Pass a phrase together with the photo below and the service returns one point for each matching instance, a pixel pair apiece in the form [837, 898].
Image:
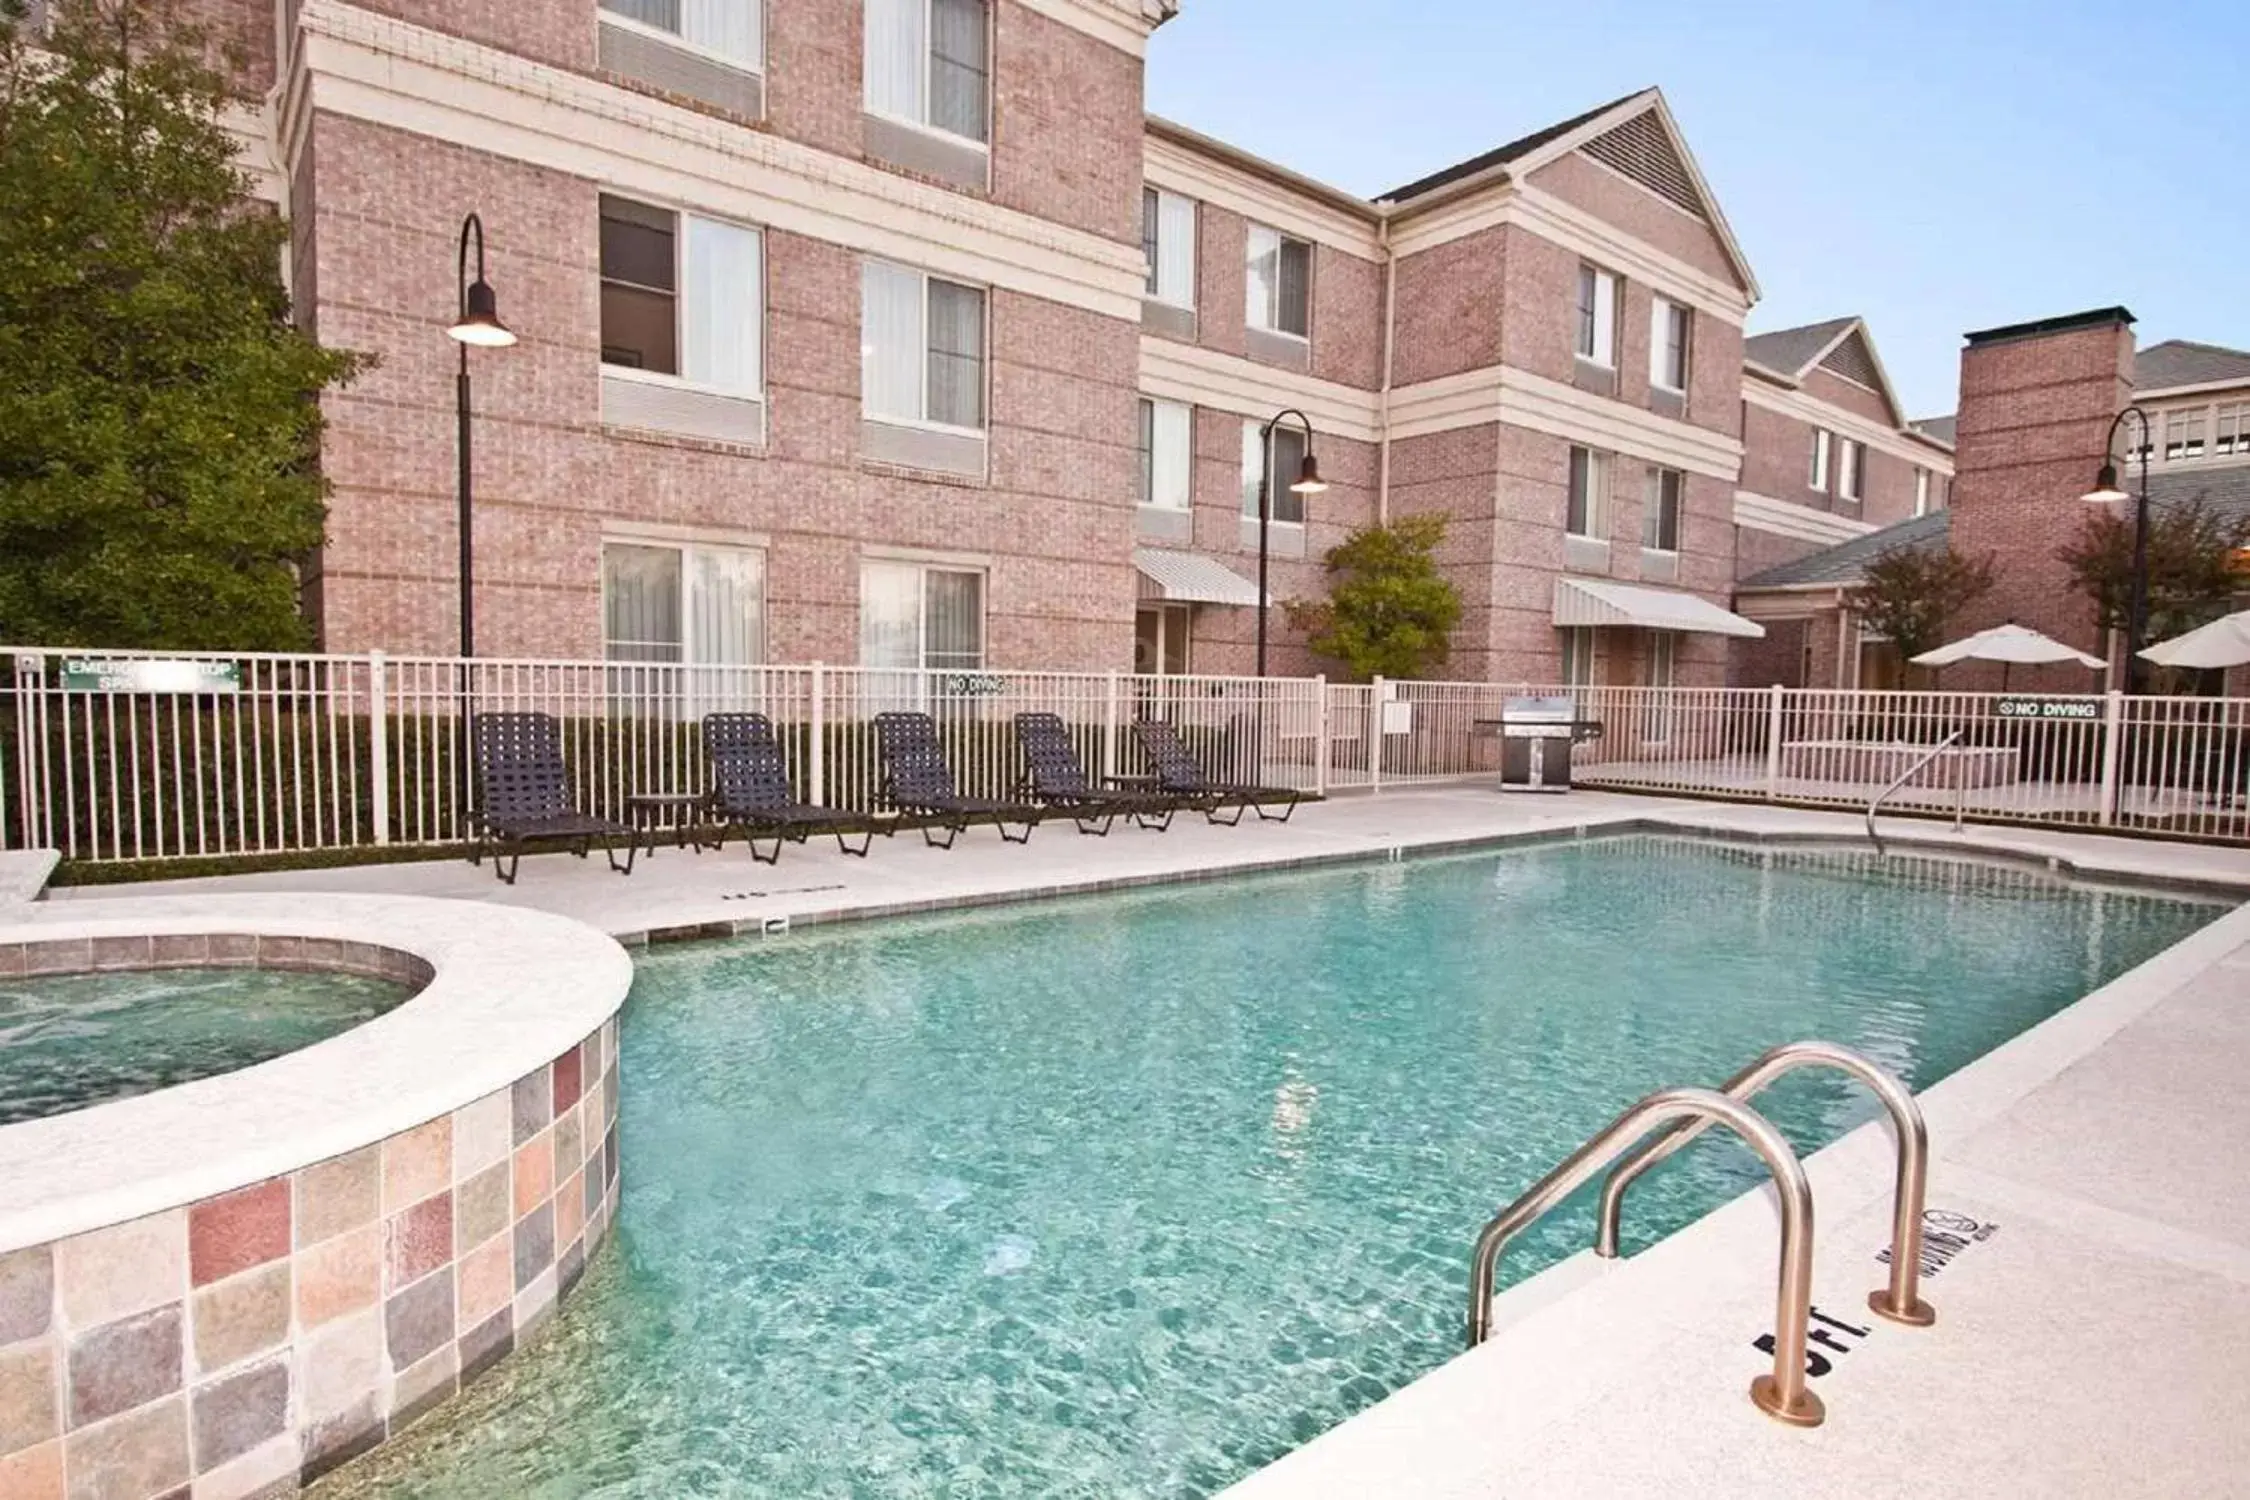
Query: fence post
[379, 743]
[816, 778]
[1375, 735]
[1109, 729]
[2113, 744]
[1320, 738]
[1773, 743]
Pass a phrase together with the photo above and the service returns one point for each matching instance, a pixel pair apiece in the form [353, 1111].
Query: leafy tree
[1388, 609]
[158, 412]
[2191, 575]
[1910, 593]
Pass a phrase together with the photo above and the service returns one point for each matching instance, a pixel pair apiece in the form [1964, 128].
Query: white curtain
[724, 292]
[729, 27]
[641, 603]
[727, 606]
[953, 620]
[891, 341]
[898, 52]
[1171, 454]
[1253, 468]
[890, 615]
[1175, 249]
[1262, 277]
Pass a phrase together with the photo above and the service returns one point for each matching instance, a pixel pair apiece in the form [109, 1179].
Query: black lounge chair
[750, 791]
[523, 795]
[1178, 773]
[918, 782]
[1059, 781]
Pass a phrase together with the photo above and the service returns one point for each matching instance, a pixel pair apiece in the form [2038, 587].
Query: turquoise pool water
[73, 1040]
[1127, 1196]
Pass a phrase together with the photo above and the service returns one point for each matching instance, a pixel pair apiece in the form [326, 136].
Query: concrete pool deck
[2093, 1333]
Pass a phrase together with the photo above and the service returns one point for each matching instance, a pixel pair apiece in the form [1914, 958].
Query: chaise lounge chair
[1178, 774]
[1058, 780]
[918, 782]
[523, 795]
[750, 791]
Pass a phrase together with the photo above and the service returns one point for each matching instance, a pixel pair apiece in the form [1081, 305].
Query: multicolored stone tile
[238, 1230]
[242, 1316]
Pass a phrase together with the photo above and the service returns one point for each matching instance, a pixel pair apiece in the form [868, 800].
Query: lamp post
[1308, 482]
[477, 325]
[2106, 492]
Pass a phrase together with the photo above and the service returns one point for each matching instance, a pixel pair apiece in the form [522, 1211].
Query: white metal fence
[128, 756]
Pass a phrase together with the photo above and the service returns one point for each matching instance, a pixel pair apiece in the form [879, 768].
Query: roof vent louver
[1642, 150]
[1852, 360]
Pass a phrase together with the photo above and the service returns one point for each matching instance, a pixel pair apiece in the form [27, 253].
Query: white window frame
[2231, 427]
[929, 62]
[676, 40]
[686, 553]
[922, 366]
[1921, 491]
[1660, 322]
[1596, 518]
[923, 570]
[1167, 486]
[1577, 654]
[1595, 281]
[1254, 451]
[1822, 440]
[1266, 318]
[1182, 213]
[2187, 435]
[1851, 470]
[681, 311]
[1659, 672]
[1652, 514]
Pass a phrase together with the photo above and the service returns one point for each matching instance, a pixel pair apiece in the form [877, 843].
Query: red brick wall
[239, 35]
[2034, 426]
[549, 31]
[813, 64]
[1449, 308]
[1347, 319]
[1066, 124]
[1055, 518]
[1539, 321]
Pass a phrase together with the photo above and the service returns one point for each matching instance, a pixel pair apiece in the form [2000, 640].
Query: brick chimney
[2037, 400]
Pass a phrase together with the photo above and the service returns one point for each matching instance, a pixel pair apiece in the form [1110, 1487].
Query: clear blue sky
[1933, 167]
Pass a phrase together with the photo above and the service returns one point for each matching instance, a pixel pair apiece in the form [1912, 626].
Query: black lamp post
[2106, 492]
[1308, 482]
[479, 325]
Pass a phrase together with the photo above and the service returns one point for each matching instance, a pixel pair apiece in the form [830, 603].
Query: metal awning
[1191, 578]
[1597, 601]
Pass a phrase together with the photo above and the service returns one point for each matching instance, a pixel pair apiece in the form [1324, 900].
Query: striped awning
[1598, 601]
[1191, 578]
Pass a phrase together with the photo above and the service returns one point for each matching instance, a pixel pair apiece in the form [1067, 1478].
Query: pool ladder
[1667, 1120]
[1960, 788]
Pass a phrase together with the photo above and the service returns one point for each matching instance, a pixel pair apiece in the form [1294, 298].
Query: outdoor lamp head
[1309, 481]
[2105, 490]
[480, 323]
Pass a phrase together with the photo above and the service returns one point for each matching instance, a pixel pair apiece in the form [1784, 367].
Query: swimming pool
[68, 1041]
[1130, 1195]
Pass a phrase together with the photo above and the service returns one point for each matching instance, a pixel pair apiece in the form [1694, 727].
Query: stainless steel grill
[1536, 734]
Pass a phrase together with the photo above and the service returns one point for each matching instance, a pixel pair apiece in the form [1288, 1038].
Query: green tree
[1911, 593]
[1388, 609]
[2191, 570]
[158, 414]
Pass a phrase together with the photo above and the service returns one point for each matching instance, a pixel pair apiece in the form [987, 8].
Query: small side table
[688, 813]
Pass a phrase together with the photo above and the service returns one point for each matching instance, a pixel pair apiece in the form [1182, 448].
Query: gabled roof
[2177, 362]
[1635, 136]
[1846, 562]
[1938, 429]
[1842, 346]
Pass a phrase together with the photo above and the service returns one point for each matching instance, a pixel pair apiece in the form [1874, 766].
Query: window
[1589, 472]
[1168, 240]
[2233, 430]
[681, 296]
[1288, 462]
[1851, 469]
[727, 27]
[1277, 286]
[929, 63]
[1818, 479]
[916, 616]
[704, 606]
[1657, 664]
[921, 348]
[1660, 517]
[2183, 435]
[1668, 345]
[1921, 492]
[1167, 454]
[1597, 316]
[1577, 656]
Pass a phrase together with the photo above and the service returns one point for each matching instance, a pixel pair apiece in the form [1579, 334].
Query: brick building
[895, 332]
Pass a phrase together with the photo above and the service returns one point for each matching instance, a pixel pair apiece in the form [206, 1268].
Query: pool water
[73, 1040]
[1128, 1196]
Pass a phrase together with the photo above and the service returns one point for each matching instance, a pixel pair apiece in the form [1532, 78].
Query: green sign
[89, 675]
[2050, 708]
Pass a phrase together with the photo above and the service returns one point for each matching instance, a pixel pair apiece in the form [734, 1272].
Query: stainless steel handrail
[1781, 1395]
[1900, 1301]
[1908, 775]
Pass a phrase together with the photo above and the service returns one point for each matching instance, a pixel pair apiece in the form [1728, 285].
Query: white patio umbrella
[2010, 645]
[2225, 642]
